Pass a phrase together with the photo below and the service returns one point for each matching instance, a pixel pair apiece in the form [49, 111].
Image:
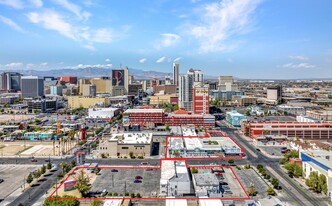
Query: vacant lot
[123, 181]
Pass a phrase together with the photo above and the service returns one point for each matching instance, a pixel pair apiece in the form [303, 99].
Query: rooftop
[203, 179]
[144, 111]
[132, 138]
[169, 170]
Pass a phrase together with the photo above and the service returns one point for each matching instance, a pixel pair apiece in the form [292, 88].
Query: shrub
[260, 167]
[138, 195]
[132, 195]
[110, 194]
[127, 194]
[270, 191]
[115, 194]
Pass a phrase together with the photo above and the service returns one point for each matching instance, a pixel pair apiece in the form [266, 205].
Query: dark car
[137, 181]
[277, 187]
[258, 149]
[290, 175]
[223, 183]
[47, 160]
[114, 170]
[1, 180]
[138, 177]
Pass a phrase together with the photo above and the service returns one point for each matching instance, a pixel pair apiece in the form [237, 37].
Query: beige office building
[103, 85]
[87, 102]
[122, 145]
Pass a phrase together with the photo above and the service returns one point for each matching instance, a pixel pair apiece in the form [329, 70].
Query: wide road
[298, 195]
[31, 195]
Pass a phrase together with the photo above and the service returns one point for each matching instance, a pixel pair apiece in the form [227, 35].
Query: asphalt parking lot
[122, 182]
[233, 184]
[272, 150]
[248, 177]
[13, 176]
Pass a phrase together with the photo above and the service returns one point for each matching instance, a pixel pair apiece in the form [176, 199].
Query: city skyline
[246, 39]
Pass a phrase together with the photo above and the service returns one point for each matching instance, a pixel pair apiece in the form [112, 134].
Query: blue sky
[243, 38]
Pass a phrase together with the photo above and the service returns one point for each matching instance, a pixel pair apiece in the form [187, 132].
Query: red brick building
[155, 117]
[68, 79]
[201, 99]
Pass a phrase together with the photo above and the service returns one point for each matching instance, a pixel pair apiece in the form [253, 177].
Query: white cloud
[168, 40]
[303, 58]
[97, 66]
[11, 24]
[12, 65]
[107, 60]
[89, 47]
[30, 66]
[142, 60]
[299, 66]
[161, 59]
[74, 8]
[37, 3]
[53, 21]
[16, 4]
[101, 36]
[44, 64]
[222, 20]
[177, 59]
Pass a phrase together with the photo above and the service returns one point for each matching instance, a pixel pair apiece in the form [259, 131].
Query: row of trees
[274, 181]
[38, 173]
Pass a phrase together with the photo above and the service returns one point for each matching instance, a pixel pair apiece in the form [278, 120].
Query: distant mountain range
[96, 72]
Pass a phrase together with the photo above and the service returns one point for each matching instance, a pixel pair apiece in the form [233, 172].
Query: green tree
[96, 203]
[63, 167]
[260, 167]
[29, 178]
[176, 153]
[312, 181]
[73, 163]
[176, 107]
[138, 195]
[167, 126]
[298, 170]
[66, 200]
[231, 161]
[37, 174]
[49, 165]
[322, 184]
[83, 182]
[270, 191]
[194, 170]
[115, 194]
[275, 182]
[43, 169]
[247, 113]
[132, 195]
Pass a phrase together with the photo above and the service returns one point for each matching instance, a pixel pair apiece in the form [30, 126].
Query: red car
[34, 160]
[138, 177]
[219, 174]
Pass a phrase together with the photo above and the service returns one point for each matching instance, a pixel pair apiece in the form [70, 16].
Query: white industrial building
[206, 184]
[174, 181]
[302, 118]
[103, 113]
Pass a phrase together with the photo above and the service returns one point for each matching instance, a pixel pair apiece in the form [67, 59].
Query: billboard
[69, 185]
[118, 77]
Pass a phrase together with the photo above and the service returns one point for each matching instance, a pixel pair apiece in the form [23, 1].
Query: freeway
[298, 195]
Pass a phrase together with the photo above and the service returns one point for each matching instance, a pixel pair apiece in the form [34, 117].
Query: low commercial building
[244, 101]
[87, 102]
[302, 118]
[126, 145]
[214, 145]
[319, 161]
[39, 136]
[323, 115]
[295, 110]
[206, 120]
[234, 118]
[225, 95]
[206, 185]
[121, 100]
[303, 130]
[103, 113]
[174, 180]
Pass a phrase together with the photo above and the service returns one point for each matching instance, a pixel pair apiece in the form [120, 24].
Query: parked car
[1, 180]
[277, 187]
[137, 181]
[228, 192]
[290, 175]
[34, 160]
[258, 149]
[138, 177]
[114, 170]
[223, 183]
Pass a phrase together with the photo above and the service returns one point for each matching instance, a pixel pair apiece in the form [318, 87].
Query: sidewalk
[10, 198]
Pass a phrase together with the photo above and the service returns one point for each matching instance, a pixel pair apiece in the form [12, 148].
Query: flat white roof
[132, 138]
[222, 142]
[168, 170]
[177, 202]
[207, 202]
[144, 111]
[103, 109]
[188, 131]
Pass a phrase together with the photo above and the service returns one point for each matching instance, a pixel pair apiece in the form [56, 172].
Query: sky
[279, 39]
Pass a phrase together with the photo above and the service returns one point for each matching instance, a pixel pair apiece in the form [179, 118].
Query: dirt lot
[16, 117]
[30, 148]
